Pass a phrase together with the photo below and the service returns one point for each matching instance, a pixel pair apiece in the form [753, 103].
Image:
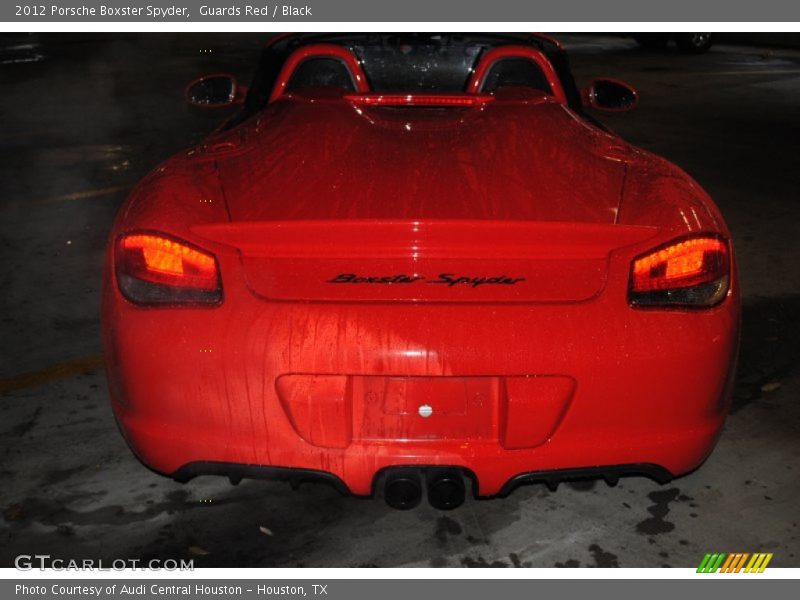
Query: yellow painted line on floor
[89, 194]
[56, 372]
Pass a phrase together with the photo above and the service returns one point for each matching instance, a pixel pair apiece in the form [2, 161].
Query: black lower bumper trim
[296, 477]
[610, 473]
[236, 472]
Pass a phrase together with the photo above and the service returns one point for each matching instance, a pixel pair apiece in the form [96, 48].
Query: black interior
[321, 72]
[520, 71]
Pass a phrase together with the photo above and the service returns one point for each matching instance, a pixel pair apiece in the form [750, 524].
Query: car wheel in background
[694, 42]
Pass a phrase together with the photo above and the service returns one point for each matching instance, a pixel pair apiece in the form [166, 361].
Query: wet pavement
[83, 118]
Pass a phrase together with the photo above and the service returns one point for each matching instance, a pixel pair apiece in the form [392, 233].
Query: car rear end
[428, 356]
[489, 290]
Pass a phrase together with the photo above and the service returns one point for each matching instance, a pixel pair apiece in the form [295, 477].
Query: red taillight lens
[690, 272]
[158, 269]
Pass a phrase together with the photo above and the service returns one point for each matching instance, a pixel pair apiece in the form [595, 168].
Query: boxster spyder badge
[475, 284]
[449, 279]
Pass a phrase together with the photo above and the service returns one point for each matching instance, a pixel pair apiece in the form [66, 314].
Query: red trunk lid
[506, 202]
[503, 161]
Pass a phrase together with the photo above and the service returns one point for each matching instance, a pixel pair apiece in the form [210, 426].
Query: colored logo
[743, 562]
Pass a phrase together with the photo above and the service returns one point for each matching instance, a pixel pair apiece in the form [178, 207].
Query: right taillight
[153, 268]
[691, 272]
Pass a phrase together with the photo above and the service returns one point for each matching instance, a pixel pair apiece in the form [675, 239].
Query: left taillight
[690, 272]
[153, 268]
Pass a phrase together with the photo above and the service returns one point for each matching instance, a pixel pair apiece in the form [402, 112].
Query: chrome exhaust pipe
[446, 489]
[403, 489]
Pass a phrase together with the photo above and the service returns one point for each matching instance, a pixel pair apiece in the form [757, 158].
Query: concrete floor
[84, 118]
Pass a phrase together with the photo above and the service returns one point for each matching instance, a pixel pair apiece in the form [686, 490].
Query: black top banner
[400, 11]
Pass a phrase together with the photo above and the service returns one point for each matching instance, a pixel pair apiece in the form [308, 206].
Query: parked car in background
[694, 43]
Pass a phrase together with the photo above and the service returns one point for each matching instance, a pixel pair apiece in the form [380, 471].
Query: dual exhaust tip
[445, 488]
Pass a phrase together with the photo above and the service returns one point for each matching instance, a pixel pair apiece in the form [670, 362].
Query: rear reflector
[689, 272]
[158, 269]
[464, 100]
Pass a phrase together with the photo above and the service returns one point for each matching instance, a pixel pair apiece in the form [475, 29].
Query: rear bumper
[495, 471]
[296, 477]
[199, 386]
[235, 473]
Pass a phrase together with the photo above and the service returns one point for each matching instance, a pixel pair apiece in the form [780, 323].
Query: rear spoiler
[400, 261]
[480, 239]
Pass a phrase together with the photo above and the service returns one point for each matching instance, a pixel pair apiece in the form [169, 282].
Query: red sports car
[412, 262]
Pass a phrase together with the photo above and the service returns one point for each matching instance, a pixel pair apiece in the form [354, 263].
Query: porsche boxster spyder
[414, 264]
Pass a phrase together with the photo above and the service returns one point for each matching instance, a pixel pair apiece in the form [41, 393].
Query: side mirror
[610, 95]
[211, 91]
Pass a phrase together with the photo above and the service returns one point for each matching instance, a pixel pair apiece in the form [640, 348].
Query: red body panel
[523, 160]
[553, 371]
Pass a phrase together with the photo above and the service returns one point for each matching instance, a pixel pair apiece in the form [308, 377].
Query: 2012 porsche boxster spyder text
[414, 261]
